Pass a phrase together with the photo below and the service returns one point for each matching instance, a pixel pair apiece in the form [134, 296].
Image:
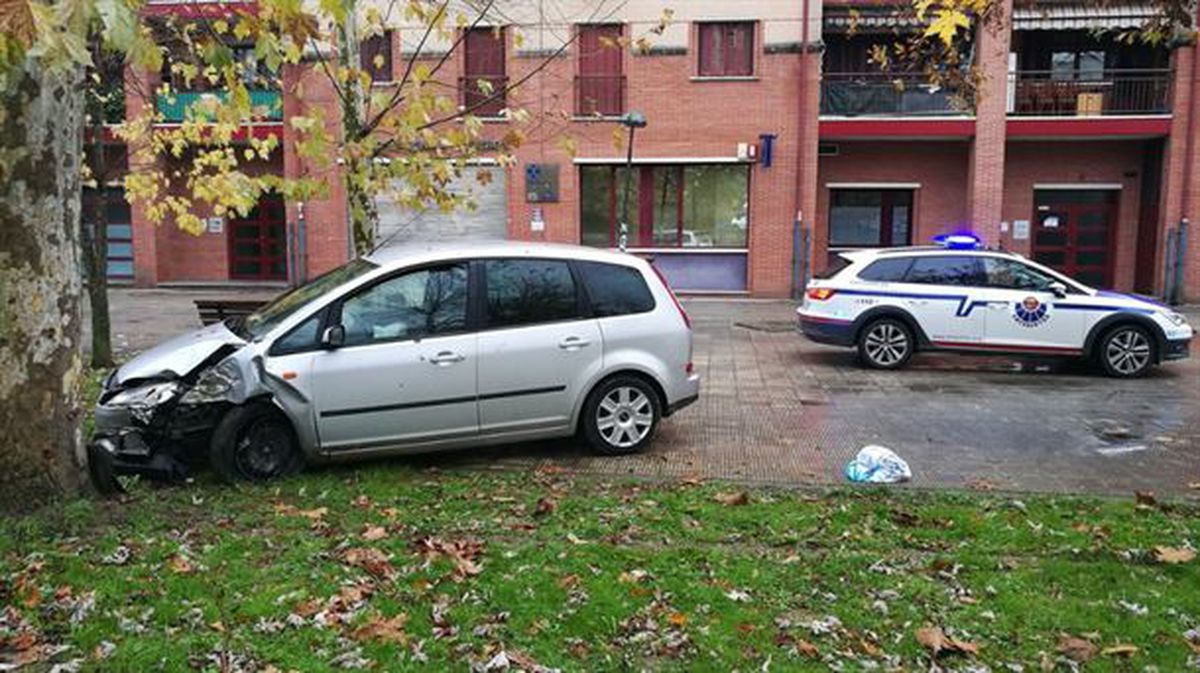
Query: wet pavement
[776, 409]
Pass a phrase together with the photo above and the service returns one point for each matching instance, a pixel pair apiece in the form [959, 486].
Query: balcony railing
[602, 95]
[174, 107]
[484, 95]
[1116, 92]
[884, 94]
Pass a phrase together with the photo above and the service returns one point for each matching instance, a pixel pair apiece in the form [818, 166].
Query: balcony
[1115, 92]
[484, 95]
[599, 95]
[884, 94]
[174, 107]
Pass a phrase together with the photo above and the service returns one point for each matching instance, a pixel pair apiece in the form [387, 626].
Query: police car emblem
[1030, 312]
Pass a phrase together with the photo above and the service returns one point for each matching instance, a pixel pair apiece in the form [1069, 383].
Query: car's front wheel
[620, 416]
[886, 343]
[255, 442]
[1126, 351]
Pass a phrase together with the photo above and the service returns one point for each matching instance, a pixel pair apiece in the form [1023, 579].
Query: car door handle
[446, 358]
[573, 343]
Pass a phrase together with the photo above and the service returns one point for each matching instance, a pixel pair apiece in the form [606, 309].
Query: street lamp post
[631, 121]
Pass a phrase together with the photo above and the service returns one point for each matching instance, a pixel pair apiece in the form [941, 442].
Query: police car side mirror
[1059, 289]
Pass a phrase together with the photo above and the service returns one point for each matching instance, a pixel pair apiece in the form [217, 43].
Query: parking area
[776, 409]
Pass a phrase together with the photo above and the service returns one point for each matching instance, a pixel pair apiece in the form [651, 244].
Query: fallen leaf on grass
[180, 564]
[1124, 650]
[371, 560]
[632, 576]
[1076, 649]
[936, 641]
[384, 630]
[545, 505]
[463, 553]
[373, 533]
[807, 649]
[1173, 555]
[1145, 498]
[739, 498]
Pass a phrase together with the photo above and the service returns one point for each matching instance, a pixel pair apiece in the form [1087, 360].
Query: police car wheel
[1126, 351]
[886, 343]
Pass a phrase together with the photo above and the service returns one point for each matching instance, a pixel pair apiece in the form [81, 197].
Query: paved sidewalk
[777, 409]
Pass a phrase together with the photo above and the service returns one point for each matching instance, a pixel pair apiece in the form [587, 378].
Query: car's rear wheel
[1126, 351]
[255, 442]
[886, 343]
[620, 415]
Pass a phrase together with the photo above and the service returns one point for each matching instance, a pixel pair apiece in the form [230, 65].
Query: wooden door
[258, 242]
[1074, 233]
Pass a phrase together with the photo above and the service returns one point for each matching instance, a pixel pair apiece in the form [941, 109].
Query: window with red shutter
[600, 82]
[726, 49]
[376, 57]
[484, 81]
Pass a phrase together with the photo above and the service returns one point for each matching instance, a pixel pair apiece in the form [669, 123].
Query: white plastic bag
[878, 465]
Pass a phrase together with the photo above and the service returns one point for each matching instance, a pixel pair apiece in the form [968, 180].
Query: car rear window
[836, 265]
[947, 270]
[613, 289]
[889, 270]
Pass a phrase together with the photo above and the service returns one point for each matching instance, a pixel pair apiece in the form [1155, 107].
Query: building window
[376, 57]
[727, 49]
[484, 81]
[1087, 66]
[670, 206]
[600, 84]
[118, 220]
[869, 218]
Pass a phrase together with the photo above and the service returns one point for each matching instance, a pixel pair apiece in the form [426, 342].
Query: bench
[217, 310]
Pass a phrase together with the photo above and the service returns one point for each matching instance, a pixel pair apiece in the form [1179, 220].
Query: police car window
[1012, 275]
[946, 270]
[887, 270]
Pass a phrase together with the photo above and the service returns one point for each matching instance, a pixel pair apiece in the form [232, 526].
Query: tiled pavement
[776, 409]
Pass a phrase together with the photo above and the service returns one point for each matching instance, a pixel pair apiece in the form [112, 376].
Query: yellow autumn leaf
[947, 24]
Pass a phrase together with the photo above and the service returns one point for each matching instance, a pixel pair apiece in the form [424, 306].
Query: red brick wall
[1097, 161]
[939, 204]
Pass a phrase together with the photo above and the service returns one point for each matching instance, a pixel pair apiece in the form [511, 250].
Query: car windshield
[266, 318]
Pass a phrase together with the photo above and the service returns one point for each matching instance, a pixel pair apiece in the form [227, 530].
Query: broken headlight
[147, 396]
[214, 385]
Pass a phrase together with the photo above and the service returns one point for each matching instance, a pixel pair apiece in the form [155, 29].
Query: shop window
[670, 206]
[376, 57]
[869, 218]
[726, 49]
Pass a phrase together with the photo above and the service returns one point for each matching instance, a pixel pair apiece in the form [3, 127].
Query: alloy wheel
[264, 449]
[886, 344]
[624, 417]
[1128, 352]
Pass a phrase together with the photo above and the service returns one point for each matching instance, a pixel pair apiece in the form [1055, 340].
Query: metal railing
[484, 95]
[602, 95]
[886, 94]
[1114, 92]
[176, 106]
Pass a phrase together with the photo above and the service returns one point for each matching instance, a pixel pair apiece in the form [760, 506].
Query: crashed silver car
[411, 350]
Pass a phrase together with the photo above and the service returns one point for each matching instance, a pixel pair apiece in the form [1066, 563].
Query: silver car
[414, 349]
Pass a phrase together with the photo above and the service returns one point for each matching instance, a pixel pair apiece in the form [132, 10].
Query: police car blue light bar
[958, 241]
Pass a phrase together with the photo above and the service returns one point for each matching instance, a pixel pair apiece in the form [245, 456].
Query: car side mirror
[333, 336]
[1059, 289]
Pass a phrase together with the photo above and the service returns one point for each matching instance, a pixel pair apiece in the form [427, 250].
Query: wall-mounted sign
[537, 220]
[1020, 230]
[215, 225]
[541, 183]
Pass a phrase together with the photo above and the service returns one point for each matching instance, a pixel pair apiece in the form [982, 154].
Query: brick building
[767, 128]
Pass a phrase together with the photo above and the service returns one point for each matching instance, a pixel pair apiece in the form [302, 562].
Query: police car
[955, 296]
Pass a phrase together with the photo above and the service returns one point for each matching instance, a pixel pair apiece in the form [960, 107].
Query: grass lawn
[389, 566]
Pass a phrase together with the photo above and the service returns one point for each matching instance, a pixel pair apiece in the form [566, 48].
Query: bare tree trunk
[360, 203]
[41, 364]
[95, 236]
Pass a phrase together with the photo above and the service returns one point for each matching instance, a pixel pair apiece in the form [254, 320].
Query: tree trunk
[361, 214]
[41, 364]
[95, 233]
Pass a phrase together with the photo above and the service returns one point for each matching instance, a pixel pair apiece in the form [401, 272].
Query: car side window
[614, 289]
[412, 305]
[529, 291]
[947, 270]
[889, 270]
[301, 338]
[1013, 275]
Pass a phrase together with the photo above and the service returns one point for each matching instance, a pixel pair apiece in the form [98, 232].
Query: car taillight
[820, 293]
[663, 279]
